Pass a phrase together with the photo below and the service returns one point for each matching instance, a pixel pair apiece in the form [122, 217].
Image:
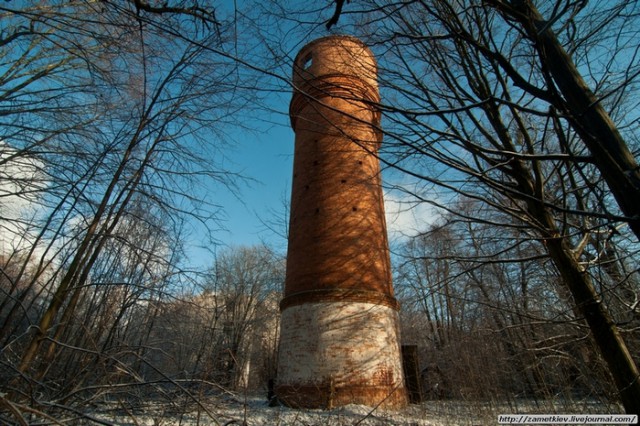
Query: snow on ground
[254, 411]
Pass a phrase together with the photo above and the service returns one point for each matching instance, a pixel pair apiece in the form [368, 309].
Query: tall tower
[339, 326]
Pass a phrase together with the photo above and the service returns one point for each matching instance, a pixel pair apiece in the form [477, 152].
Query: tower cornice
[339, 86]
[339, 295]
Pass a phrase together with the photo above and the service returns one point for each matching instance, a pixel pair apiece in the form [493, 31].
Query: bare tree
[516, 333]
[121, 124]
[566, 89]
[248, 283]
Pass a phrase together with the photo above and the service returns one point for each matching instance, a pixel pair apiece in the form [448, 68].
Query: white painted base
[341, 343]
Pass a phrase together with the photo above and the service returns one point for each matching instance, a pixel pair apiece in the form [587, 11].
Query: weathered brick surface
[338, 353]
[339, 339]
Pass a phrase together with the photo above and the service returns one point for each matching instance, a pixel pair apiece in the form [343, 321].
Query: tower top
[335, 55]
[337, 65]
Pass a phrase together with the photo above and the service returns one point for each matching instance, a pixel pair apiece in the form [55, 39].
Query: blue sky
[263, 152]
[265, 157]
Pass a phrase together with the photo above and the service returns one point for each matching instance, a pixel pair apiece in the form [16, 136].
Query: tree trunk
[605, 332]
[589, 119]
[610, 343]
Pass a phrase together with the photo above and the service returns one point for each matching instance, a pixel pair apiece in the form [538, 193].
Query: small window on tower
[307, 61]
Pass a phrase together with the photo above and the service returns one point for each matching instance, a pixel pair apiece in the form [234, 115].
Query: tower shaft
[339, 327]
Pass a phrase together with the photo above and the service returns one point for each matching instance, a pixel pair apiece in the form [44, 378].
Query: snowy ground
[253, 411]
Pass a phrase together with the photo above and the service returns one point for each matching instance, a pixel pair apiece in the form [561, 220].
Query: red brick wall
[338, 287]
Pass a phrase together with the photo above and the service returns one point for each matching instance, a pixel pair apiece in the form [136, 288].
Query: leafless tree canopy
[112, 140]
[511, 137]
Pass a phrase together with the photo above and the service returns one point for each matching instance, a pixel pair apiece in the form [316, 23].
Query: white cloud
[20, 181]
[406, 216]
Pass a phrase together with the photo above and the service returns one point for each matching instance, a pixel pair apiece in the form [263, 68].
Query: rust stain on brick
[327, 396]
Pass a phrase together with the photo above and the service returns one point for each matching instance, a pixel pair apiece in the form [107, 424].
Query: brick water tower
[339, 326]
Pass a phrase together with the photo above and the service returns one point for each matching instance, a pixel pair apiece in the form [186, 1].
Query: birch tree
[121, 109]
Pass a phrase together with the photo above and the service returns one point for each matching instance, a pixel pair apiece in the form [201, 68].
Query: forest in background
[521, 284]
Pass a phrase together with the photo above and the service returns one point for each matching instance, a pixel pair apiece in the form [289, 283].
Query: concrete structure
[339, 339]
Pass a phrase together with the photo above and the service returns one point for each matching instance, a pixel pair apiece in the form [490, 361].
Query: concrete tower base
[339, 353]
